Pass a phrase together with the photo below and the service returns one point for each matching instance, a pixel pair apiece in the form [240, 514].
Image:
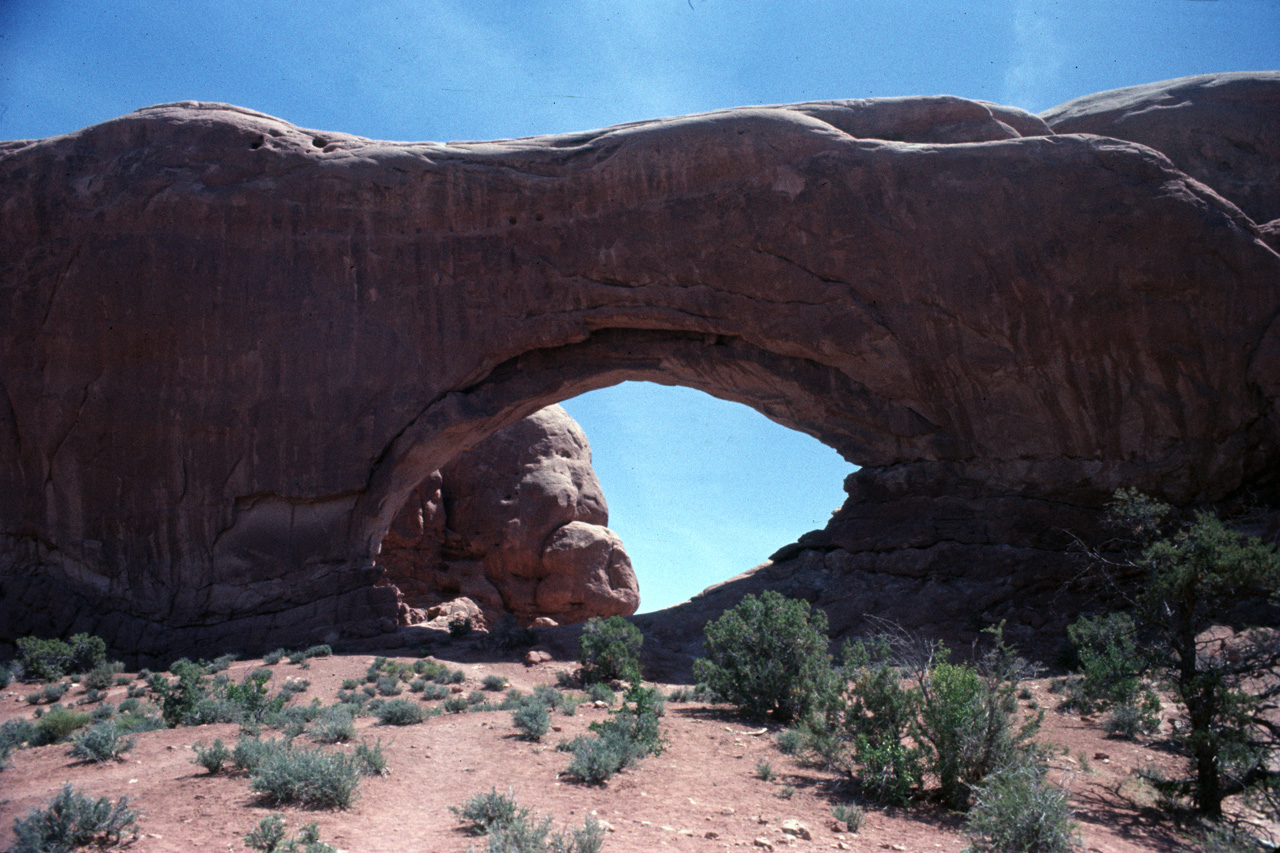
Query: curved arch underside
[235, 345]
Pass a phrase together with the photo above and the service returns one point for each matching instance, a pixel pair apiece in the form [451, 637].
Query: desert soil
[702, 793]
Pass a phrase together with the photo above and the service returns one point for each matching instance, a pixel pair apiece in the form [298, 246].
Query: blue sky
[699, 490]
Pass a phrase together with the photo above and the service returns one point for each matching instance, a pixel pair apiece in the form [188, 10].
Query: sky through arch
[699, 488]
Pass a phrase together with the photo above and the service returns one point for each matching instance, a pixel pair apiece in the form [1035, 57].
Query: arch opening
[779, 395]
[708, 489]
[536, 522]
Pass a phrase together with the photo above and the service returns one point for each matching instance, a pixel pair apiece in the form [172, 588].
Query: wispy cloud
[1037, 59]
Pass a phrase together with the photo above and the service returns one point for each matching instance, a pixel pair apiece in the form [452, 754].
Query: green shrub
[532, 719]
[967, 717]
[221, 663]
[768, 656]
[335, 725]
[1017, 809]
[508, 635]
[101, 676]
[49, 660]
[72, 820]
[293, 687]
[274, 657]
[212, 758]
[512, 829]
[252, 695]
[596, 759]
[137, 718]
[631, 733]
[609, 649]
[401, 712]
[6, 676]
[15, 734]
[179, 698]
[192, 698]
[557, 700]
[683, 694]
[902, 710]
[528, 836]
[494, 683]
[568, 704]
[434, 692]
[455, 704]
[600, 692]
[389, 685]
[429, 669]
[1111, 664]
[459, 627]
[1127, 721]
[764, 770]
[485, 812]
[100, 743]
[370, 759]
[875, 718]
[58, 724]
[269, 837]
[321, 651]
[250, 752]
[850, 816]
[789, 741]
[49, 693]
[87, 651]
[312, 778]
[637, 721]
[1194, 575]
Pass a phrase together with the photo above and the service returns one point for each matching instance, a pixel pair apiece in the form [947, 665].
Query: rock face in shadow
[517, 524]
[234, 348]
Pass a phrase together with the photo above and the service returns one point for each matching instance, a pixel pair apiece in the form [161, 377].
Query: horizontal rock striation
[234, 348]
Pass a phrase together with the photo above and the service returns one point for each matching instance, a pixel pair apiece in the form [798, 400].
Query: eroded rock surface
[517, 524]
[234, 347]
[1222, 129]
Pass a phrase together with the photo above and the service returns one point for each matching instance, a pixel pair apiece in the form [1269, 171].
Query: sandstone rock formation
[234, 347]
[517, 524]
[1220, 129]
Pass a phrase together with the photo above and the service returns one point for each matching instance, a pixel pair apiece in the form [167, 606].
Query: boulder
[517, 524]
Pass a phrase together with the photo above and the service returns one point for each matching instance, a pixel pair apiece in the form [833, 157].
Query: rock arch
[235, 345]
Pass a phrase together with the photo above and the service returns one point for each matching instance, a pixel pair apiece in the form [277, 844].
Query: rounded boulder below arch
[517, 524]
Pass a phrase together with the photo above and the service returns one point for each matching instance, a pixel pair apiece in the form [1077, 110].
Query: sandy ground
[702, 793]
